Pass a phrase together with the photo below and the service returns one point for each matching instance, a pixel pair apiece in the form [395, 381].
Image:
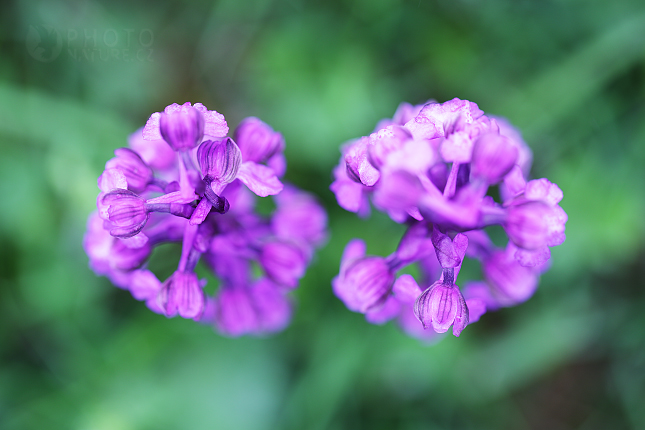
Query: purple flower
[137, 173]
[431, 167]
[257, 141]
[219, 161]
[108, 255]
[493, 157]
[359, 168]
[155, 153]
[299, 218]
[208, 188]
[511, 282]
[526, 225]
[284, 263]
[260, 309]
[181, 294]
[442, 306]
[351, 196]
[126, 213]
[144, 285]
[364, 283]
[183, 127]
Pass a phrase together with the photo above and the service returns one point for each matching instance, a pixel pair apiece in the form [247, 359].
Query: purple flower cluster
[183, 180]
[432, 166]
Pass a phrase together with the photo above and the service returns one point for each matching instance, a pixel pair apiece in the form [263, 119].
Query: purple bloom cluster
[432, 166]
[183, 180]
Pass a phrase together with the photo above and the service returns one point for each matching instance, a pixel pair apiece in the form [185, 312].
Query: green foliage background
[77, 353]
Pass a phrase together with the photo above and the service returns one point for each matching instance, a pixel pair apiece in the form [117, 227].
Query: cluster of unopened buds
[183, 180]
[432, 167]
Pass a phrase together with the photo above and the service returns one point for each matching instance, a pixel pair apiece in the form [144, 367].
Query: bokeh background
[77, 76]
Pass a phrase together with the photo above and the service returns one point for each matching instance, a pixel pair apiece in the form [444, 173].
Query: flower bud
[257, 141]
[526, 224]
[364, 284]
[441, 306]
[108, 254]
[359, 168]
[258, 309]
[450, 252]
[283, 263]
[299, 217]
[126, 212]
[219, 160]
[137, 173]
[385, 141]
[512, 283]
[181, 126]
[181, 294]
[493, 157]
[155, 153]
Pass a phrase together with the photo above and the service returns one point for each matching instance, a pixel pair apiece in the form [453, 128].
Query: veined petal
[259, 178]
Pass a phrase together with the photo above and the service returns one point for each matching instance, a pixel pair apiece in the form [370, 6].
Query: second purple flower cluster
[433, 166]
[183, 180]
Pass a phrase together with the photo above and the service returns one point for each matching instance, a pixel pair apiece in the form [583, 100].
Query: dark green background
[77, 353]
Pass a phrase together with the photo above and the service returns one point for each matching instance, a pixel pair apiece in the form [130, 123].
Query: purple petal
[272, 306]
[214, 122]
[181, 294]
[126, 213]
[257, 141]
[411, 325]
[155, 153]
[350, 195]
[437, 307]
[543, 189]
[259, 179]
[532, 258]
[144, 285]
[385, 141]
[299, 217]
[385, 313]
[476, 308]
[364, 283]
[457, 148]
[151, 129]
[278, 163]
[414, 156]
[525, 156]
[512, 283]
[219, 160]
[526, 225]
[447, 255]
[236, 314]
[397, 191]
[136, 171]
[406, 289]
[283, 263]
[182, 127]
[112, 178]
[513, 185]
[201, 212]
[405, 112]
[358, 163]
[493, 157]
[415, 244]
[136, 241]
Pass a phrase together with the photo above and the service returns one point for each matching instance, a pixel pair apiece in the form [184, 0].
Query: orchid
[183, 180]
[431, 167]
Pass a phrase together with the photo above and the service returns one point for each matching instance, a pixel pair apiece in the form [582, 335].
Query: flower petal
[260, 179]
